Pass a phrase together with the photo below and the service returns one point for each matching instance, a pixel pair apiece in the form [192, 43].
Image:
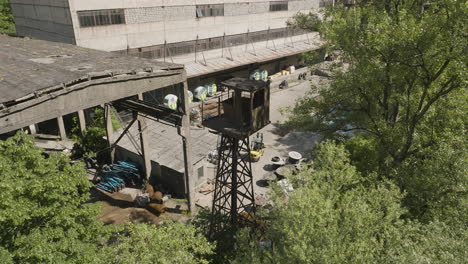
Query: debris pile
[155, 203]
[119, 175]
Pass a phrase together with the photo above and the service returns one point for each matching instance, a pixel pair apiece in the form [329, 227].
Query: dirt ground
[119, 208]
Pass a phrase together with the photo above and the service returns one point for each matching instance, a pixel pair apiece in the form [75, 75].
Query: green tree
[403, 95]
[169, 243]
[335, 215]
[7, 24]
[91, 141]
[44, 217]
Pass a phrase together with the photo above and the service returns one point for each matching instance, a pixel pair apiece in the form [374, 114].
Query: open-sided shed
[41, 80]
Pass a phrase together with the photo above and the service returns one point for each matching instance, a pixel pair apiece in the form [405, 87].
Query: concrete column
[109, 130]
[61, 126]
[82, 120]
[142, 129]
[187, 148]
[32, 129]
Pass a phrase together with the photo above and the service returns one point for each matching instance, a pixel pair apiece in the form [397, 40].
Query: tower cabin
[245, 110]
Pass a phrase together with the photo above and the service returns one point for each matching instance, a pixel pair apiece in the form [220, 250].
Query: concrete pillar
[82, 120]
[61, 126]
[32, 129]
[142, 129]
[109, 130]
[187, 148]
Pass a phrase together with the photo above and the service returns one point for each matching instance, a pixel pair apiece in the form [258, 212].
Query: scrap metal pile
[116, 177]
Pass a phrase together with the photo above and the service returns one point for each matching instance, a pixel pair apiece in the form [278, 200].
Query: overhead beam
[84, 95]
[158, 112]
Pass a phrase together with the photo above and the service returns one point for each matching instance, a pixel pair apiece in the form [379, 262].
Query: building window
[210, 10]
[200, 173]
[278, 6]
[101, 17]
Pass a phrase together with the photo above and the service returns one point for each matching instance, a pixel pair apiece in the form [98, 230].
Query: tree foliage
[335, 215]
[7, 24]
[91, 141]
[403, 95]
[167, 244]
[43, 214]
[398, 105]
[404, 67]
[45, 217]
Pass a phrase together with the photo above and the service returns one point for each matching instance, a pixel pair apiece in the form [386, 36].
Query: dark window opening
[259, 99]
[101, 17]
[210, 10]
[200, 173]
[278, 6]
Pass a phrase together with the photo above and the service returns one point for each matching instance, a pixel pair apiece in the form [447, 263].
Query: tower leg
[233, 200]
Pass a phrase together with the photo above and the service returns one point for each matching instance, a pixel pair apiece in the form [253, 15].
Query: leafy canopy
[7, 24]
[404, 66]
[335, 215]
[45, 217]
[167, 244]
[43, 214]
[403, 96]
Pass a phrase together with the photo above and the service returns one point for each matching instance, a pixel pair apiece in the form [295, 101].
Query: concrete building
[147, 26]
[208, 36]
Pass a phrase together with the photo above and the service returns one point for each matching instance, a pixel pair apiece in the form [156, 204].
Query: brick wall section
[158, 14]
[297, 5]
[173, 13]
[236, 9]
[259, 7]
[144, 15]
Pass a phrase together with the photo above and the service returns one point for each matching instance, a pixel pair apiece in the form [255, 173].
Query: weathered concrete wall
[83, 96]
[152, 22]
[160, 175]
[165, 176]
[44, 19]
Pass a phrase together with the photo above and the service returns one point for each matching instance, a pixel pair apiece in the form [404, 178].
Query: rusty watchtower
[244, 111]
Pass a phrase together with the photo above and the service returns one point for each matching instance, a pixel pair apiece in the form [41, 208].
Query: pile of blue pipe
[122, 174]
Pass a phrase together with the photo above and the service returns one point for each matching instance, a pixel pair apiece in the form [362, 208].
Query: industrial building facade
[157, 28]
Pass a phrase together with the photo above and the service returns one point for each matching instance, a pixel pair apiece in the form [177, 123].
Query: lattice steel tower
[243, 111]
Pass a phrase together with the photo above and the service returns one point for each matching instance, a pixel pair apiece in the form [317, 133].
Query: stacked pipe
[118, 176]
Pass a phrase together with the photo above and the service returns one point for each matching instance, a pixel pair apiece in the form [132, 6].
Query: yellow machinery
[258, 148]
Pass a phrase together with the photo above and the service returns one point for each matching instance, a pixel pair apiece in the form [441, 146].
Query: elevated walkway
[212, 61]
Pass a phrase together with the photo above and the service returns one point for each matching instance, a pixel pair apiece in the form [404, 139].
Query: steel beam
[158, 112]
